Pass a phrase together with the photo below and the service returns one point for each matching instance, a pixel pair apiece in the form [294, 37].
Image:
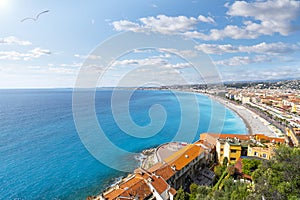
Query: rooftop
[184, 156]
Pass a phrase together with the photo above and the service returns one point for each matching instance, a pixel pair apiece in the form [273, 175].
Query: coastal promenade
[253, 121]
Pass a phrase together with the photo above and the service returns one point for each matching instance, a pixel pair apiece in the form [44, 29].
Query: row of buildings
[234, 146]
[284, 101]
[190, 165]
[283, 107]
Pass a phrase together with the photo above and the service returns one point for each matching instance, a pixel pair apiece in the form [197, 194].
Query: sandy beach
[254, 123]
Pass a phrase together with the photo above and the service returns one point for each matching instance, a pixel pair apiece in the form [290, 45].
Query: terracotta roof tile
[165, 172]
[212, 137]
[132, 187]
[176, 155]
[172, 191]
[159, 184]
[184, 156]
[262, 136]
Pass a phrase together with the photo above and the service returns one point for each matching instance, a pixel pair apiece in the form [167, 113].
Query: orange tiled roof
[135, 186]
[239, 136]
[177, 154]
[164, 171]
[114, 193]
[184, 156]
[172, 191]
[262, 136]
[212, 137]
[159, 184]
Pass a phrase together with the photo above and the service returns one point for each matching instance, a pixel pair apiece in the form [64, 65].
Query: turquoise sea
[42, 156]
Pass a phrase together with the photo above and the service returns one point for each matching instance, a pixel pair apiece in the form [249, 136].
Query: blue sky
[246, 40]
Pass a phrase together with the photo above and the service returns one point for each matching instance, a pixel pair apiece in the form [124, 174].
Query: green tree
[193, 191]
[279, 178]
[180, 194]
[250, 165]
[203, 192]
[219, 170]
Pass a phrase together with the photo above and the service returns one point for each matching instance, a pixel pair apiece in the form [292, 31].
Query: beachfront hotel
[179, 164]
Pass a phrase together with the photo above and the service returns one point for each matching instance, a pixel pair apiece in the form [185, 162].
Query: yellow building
[265, 152]
[230, 148]
[294, 135]
[294, 108]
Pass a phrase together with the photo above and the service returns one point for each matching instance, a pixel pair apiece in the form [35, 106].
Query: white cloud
[260, 18]
[230, 31]
[73, 65]
[38, 52]
[182, 53]
[217, 49]
[179, 65]
[168, 25]
[273, 15]
[261, 48]
[91, 56]
[125, 25]
[156, 61]
[11, 40]
[141, 62]
[14, 55]
[162, 24]
[243, 60]
[206, 19]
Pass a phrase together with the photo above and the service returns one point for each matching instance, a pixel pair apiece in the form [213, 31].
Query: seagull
[36, 18]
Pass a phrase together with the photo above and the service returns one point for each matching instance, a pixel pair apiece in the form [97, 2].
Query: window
[232, 159]
[233, 151]
[221, 149]
[255, 153]
[264, 155]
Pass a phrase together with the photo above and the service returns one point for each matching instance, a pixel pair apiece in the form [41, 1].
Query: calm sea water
[42, 157]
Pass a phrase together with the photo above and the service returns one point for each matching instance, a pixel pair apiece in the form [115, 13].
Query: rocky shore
[148, 158]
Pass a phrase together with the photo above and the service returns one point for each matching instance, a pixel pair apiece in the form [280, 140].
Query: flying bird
[36, 18]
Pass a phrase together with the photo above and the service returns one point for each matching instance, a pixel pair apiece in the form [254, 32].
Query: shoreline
[254, 123]
[231, 106]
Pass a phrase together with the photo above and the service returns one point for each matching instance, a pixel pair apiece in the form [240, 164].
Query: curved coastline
[233, 109]
[227, 105]
[254, 123]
